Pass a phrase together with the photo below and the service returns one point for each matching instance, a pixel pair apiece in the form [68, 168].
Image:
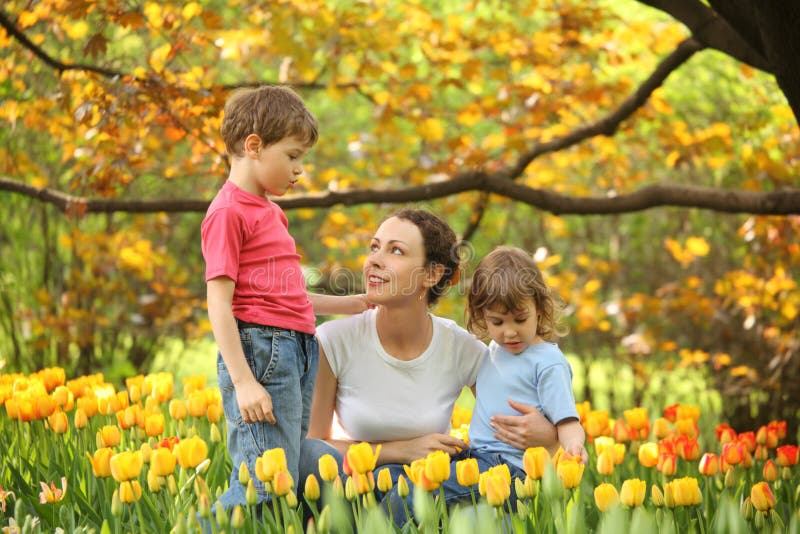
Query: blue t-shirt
[539, 376]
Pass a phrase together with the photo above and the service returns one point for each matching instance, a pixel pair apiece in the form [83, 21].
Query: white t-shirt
[381, 398]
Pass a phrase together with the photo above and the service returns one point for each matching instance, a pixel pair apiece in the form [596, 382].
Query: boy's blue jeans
[285, 363]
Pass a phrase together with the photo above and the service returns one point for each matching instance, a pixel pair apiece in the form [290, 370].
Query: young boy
[262, 317]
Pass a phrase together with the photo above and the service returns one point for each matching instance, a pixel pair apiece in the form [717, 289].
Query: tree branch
[712, 30]
[782, 202]
[478, 211]
[609, 124]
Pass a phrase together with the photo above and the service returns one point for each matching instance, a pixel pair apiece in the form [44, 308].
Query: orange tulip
[687, 427]
[787, 455]
[732, 453]
[282, 483]
[661, 428]
[636, 418]
[770, 471]
[688, 448]
[154, 424]
[748, 439]
[762, 497]
[51, 494]
[363, 482]
[605, 462]
[725, 433]
[109, 436]
[64, 398]
[709, 464]
[81, 419]
[58, 422]
[671, 413]
[667, 463]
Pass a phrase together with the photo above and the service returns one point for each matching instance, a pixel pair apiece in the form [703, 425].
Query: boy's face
[277, 167]
[514, 330]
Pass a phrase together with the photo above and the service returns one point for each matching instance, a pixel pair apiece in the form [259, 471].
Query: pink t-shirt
[246, 238]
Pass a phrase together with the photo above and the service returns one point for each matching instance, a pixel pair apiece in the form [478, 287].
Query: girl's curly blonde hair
[509, 277]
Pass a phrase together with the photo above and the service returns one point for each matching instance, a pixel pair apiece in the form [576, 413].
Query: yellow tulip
[154, 482]
[648, 454]
[177, 409]
[363, 482]
[328, 468]
[570, 473]
[534, 461]
[602, 443]
[109, 436]
[64, 398]
[384, 480]
[147, 452]
[81, 419]
[636, 418]
[633, 492]
[101, 462]
[361, 458]
[214, 413]
[126, 465]
[467, 472]
[605, 462]
[682, 492]
[162, 462]
[191, 452]
[271, 462]
[437, 466]
[311, 488]
[656, 495]
[606, 497]
[196, 404]
[154, 424]
[130, 491]
[661, 428]
[497, 489]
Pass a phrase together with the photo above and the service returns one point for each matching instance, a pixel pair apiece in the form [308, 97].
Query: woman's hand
[407, 451]
[531, 429]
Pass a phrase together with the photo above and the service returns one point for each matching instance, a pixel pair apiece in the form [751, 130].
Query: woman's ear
[435, 273]
[252, 146]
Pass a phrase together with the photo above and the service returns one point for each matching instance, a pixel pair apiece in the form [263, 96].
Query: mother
[392, 374]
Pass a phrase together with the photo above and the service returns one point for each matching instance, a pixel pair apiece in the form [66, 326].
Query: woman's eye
[373, 247]
[396, 250]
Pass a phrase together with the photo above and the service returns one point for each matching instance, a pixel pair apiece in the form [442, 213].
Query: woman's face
[395, 264]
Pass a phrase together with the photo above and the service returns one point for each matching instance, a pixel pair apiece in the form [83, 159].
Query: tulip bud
[250, 494]
[531, 487]
[324, 519]
[350, 489]
[216, 436]
[244, 474]
[311, 489]
[291, 499]
[81, 419]
[777, 521]
[116, 504]
[656, 496]
[203, 466]
[730, 478]
[154, 482]
[237, 517]
[311, 527]
[328, 468]
[770, 471]
[758, 520]
[204, 506]
[180, 525]
[384, 480]
[221, 515]
[172, 486]
[519, 488]
[402, 486]
[522, 510]
[747, 509]
[338, 487]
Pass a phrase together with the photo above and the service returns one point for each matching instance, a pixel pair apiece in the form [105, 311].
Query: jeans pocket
[260, 348]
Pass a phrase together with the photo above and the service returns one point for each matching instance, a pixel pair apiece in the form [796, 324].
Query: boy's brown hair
[508, 277]
[272, 112]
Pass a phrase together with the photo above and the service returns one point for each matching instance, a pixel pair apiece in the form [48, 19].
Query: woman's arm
[531, 429]
[401, 451]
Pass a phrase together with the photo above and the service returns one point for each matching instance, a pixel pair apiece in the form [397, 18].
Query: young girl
[510, 303]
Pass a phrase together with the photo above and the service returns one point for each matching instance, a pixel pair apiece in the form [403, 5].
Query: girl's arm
[338, 304]
[572, 437]
[401, 451]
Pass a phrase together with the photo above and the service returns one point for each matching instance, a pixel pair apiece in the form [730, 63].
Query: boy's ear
[435, 273]
[252, 145]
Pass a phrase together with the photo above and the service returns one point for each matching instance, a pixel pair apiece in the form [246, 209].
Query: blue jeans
[284, 362]
[454, 492]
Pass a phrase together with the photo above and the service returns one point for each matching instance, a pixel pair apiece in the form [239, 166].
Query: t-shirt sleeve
[555, 393]
[222, 234]
[470, 357]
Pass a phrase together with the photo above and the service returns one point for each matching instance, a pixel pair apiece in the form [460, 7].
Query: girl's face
[395, 264]
[514, 330]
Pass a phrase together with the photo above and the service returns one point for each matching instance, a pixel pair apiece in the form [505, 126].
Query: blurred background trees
[553, 126]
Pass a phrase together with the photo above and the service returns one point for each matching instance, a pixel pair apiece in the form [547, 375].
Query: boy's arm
[338, 305]
[572, 437]
[255, 404]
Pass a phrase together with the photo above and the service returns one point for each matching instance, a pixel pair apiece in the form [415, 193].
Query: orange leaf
[96, 45]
